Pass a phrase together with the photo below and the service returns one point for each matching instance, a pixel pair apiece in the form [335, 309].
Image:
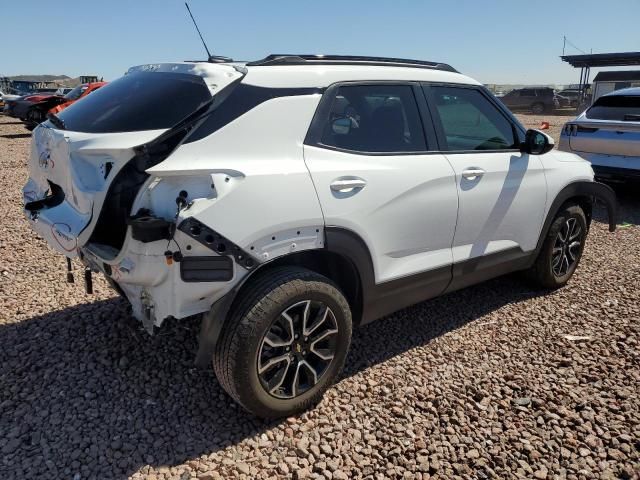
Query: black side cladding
[216, 242]
[206, 269]
[147, 228]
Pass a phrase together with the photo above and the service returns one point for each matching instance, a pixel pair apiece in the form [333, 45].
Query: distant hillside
[61, 80]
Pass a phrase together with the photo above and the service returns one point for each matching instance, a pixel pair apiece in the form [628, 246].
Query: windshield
[616, 107]
[138, 101]
[75, 93]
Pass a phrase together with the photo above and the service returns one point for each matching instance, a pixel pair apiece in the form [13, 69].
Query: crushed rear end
[87, 167]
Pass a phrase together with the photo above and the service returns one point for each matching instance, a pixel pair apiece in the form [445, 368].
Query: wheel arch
[338, 263]
[583, 194]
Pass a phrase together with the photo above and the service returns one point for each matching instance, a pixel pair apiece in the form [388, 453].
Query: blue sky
[494, 41]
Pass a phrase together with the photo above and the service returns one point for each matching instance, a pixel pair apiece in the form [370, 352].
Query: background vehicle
[62, 91]
[33, 109]
[607, 134]
[536, 100]
[573, 96]
[295, 197]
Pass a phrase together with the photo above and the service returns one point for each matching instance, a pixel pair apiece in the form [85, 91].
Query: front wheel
[562, 249]
[285, 343]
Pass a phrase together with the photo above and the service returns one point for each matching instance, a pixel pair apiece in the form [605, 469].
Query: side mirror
[341, 126]
[537, 143]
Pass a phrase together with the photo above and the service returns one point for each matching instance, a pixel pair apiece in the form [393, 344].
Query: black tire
[545, 271]
[537, 108]
[240, 347]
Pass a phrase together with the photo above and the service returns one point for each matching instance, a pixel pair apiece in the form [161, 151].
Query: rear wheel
[562, 248]
[285, 343]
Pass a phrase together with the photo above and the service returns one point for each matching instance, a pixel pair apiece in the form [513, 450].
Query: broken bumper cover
[54, 218]
[157, 289]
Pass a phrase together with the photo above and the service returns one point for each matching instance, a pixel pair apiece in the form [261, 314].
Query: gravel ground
[482, 383]
[556, 121]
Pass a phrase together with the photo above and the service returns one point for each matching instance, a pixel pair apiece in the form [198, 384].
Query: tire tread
[230, 367]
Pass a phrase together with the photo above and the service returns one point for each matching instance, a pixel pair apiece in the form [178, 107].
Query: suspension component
[88, 281]
[69, 271]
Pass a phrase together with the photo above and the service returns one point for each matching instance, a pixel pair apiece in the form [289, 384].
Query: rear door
[502, 191]
[370, 162]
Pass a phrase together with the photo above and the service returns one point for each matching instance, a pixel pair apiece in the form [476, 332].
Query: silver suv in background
[607, 134]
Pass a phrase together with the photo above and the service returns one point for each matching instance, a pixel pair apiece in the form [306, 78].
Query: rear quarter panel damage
[249, 183]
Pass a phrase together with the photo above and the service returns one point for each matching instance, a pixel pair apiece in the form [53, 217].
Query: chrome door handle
[473, 173]
[347, 184]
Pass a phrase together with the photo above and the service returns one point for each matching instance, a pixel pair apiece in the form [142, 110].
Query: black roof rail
[292, 59]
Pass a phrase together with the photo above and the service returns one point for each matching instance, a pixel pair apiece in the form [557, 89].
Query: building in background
[607, 82]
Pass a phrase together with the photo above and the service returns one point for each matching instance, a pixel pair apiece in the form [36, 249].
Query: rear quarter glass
[616, 107]
[138, 101]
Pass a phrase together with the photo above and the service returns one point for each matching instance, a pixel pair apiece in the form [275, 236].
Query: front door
[369, 161]
[502, 191]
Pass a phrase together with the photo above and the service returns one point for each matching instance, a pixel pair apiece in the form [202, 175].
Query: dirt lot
[555, 123]
[482, 383]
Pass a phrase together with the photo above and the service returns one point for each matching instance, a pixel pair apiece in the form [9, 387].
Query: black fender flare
[339, 241]
[590, 189]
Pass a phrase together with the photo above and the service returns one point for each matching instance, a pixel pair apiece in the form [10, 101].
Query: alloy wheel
[566, 248]
[297, 349]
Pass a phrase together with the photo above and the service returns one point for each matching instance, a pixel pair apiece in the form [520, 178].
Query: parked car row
[33, 109]
[540, 100]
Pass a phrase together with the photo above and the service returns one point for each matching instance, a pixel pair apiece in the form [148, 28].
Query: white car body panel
[561, 169]
[406, 213]
[267, 180]
[504, 208]
[323, 75]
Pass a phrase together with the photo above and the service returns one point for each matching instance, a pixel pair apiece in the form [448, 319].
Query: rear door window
[374, 118]
[470, 121]
[617, 108]
[138, 101]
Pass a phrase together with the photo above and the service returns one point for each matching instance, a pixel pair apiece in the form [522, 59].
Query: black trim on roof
[292, 59]
[603, 59]
[619, 76]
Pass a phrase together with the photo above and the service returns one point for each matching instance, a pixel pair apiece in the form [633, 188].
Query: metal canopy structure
[622, 59]
[586, 61]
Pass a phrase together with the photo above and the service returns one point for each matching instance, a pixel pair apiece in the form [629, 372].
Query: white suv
[292, 198]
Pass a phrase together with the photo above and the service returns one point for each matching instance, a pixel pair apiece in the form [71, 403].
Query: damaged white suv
[292, 198]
